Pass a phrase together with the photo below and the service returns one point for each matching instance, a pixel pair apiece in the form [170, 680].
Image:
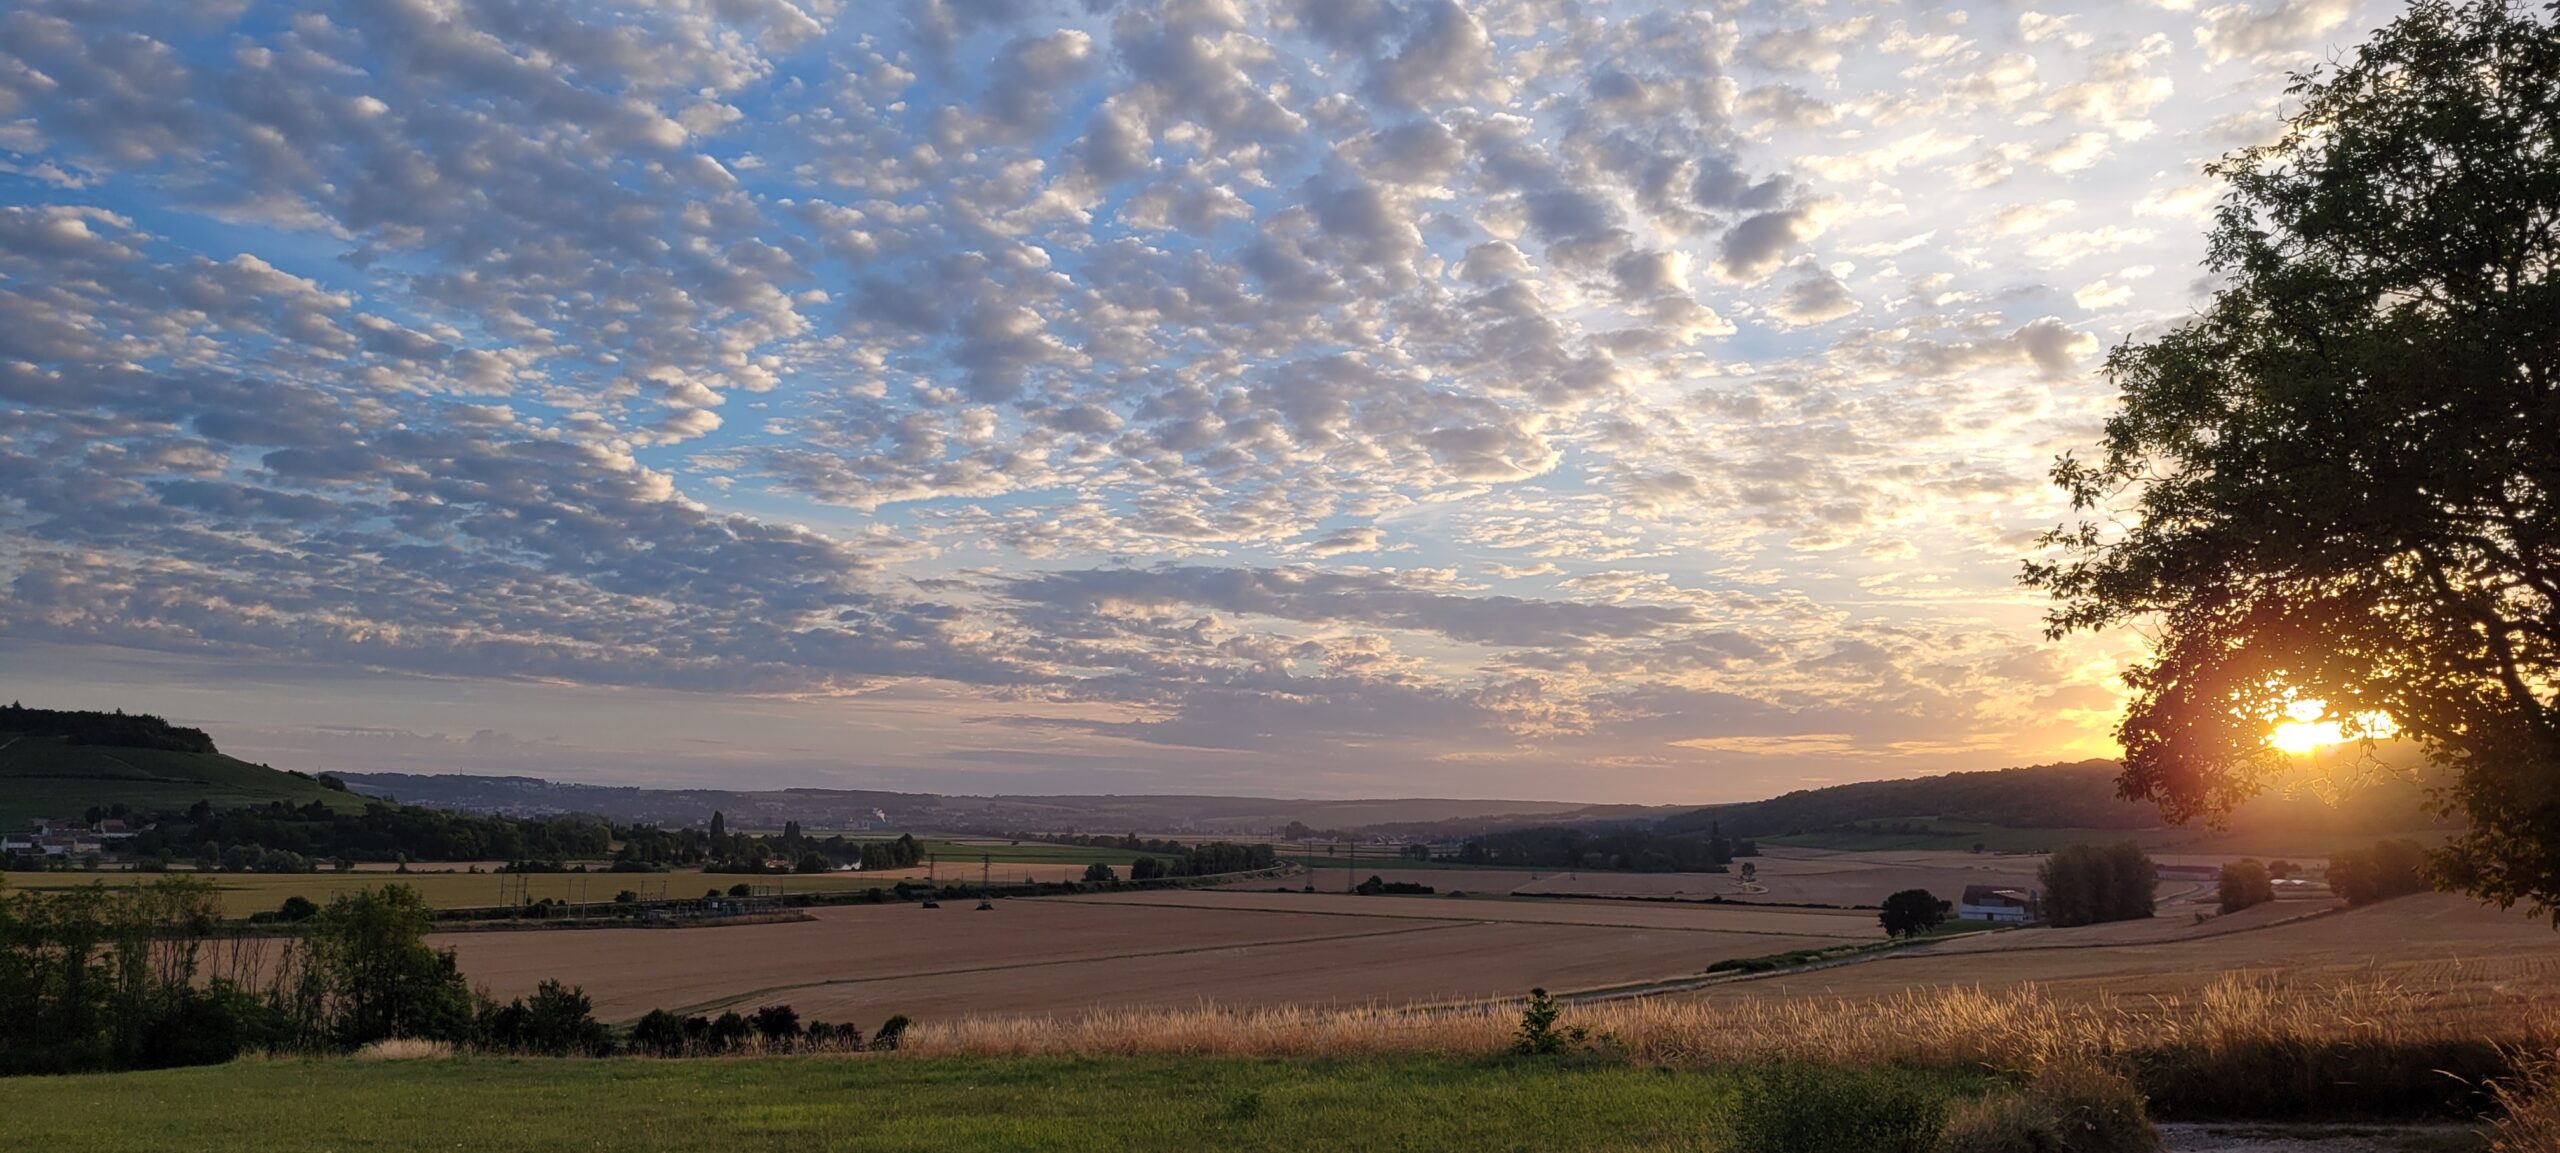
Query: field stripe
[751, 994]
[1462, 919]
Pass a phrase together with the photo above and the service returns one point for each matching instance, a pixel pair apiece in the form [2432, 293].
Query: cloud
[1065, 364]
[1757, 245]
[2247, 31]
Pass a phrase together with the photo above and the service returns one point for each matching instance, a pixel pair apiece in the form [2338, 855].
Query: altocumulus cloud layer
[1644, 399]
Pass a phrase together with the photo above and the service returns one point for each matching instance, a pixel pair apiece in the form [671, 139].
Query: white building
[1996, 905]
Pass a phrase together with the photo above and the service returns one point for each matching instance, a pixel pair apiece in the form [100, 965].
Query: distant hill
[2078, 795]
[60, 763]
[855, 809]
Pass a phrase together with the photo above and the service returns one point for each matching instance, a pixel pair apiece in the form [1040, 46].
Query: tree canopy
[2335, 488]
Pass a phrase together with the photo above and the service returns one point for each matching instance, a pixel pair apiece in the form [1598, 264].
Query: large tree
[2337, 483]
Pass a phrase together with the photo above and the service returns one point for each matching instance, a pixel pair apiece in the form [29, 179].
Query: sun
[2310, 729]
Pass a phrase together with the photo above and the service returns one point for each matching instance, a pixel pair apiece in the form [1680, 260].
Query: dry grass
[2017, 1030]
[2528, 1105]
[405, 1049]
[2241, 1047]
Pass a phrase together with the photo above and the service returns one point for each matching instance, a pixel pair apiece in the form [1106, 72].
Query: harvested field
[1840, 924]
[1810, 876]
[1332, 877]
[246, 893]
[1070, 955]
[2461, 953]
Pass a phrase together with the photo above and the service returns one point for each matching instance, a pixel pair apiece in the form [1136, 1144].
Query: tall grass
[2244, 1046]
[2529, 1105]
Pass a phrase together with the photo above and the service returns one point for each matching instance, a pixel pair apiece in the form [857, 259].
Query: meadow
[943, 1104]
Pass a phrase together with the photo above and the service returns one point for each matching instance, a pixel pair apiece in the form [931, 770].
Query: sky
[1580, 400]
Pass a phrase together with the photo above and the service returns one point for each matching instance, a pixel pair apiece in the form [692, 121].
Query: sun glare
[2310, 729]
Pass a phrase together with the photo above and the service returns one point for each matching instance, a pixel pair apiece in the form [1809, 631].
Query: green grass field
[40, 776]
[948, 1105]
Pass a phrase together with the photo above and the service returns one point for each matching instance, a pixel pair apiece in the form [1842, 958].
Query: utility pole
[1351, 875]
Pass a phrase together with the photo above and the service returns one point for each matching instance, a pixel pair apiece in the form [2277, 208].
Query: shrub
[1098, 873]
[891, 1032]
[727, 1032]
[1538, 1034]
[2245, 883]
[660, 1033]
[558, 1021]
[779, 1025]
[2071, 1108]
[1824, 1109]
[1376, 885]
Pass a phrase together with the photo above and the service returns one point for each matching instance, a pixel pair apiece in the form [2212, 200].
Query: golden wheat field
[2464, 953]
[1053, 954]
[2399, 976]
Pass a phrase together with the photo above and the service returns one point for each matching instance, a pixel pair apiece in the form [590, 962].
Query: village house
[1997, 905]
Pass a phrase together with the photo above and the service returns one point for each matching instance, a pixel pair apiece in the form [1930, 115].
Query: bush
[1822, 1109]
[1098, 873]
[779, 1025]
[1538, 1034]
[661, 1033]
[2245, 883]
[727, 1032]
[2067, 1109]
[891, 1032]
[1376, 885]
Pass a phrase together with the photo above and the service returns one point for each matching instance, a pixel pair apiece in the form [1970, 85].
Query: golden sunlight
[2310, 728]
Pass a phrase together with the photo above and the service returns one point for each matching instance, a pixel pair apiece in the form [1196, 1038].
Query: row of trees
[771, 1028]
[239, 839]
[718, 849]
[119, 728]
[1207, 859]
[145, 976]
[1626, 850]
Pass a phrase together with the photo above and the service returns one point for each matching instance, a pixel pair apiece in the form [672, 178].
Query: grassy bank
[882, 1105]
[2244, 1048]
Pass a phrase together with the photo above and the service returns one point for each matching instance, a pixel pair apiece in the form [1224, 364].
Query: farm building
[2001, 906]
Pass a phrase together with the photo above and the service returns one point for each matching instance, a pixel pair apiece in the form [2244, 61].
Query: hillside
[2079, 795]
[59, 764]
[862, 808]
